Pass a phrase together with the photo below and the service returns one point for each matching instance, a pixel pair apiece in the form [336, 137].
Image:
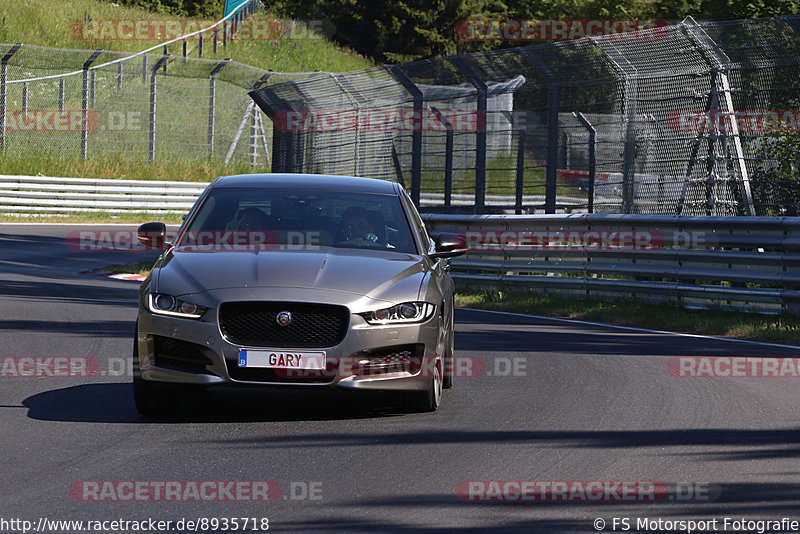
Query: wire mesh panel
[149, 108]
[690, 119]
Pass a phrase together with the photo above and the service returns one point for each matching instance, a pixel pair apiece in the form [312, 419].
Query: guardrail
[740, 263]
[743, 263]
[47, 195]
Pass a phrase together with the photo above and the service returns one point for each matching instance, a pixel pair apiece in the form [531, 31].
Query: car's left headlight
[164, 304]
[407, 312]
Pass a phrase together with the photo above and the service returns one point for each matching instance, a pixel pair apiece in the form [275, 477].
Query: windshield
[301, 218]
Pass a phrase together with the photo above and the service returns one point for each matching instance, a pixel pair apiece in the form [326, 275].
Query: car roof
[322, 182]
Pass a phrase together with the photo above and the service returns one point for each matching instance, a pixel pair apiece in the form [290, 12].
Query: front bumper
[218, 357]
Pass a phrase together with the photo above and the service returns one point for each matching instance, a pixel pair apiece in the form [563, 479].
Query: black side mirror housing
[152, 235]
[449, 245]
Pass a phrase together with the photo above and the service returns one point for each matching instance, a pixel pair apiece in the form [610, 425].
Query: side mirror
[449, 245]
[152, 235]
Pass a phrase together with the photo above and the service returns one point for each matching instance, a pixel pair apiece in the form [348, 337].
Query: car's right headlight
[164, 304]
[407, 312]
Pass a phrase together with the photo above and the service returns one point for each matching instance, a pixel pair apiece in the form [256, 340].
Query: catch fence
[689, 119]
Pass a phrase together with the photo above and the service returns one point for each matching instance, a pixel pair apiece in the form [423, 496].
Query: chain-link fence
[691, 119]
[154, 107]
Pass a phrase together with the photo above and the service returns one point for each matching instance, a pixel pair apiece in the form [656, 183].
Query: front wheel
[428, 400]
[154, 399]
[449, 362]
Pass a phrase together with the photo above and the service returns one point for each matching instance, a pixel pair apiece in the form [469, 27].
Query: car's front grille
[255, 324]
[180, 355]
[284, 376]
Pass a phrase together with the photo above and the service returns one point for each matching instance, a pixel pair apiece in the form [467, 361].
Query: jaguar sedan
[287, 280]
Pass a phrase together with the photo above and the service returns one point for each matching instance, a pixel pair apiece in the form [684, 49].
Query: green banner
[230, 5]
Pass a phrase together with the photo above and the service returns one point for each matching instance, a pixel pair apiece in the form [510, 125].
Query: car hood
[376, 274]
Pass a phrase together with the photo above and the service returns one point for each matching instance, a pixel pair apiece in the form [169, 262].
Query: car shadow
[113, 403]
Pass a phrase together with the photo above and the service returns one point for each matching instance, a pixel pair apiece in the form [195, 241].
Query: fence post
[25, 100]
[254, 124]
[144, 68]
[85, 104]
[480, 134]
[212, 101]
[720, 65]
[200, 47]
[92, 87]
[119, 76]
[61, 94]
[3, 92]
[416, 136]
[448, 158]
[629, 75]
[592, 162]
[520, 185]
[551, 172]
[153, 78]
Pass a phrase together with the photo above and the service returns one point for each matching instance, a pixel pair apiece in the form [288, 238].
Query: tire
[153, 399]
[429, 400]
[449, 361]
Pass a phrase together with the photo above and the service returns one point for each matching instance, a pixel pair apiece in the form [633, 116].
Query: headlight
[407, 312]
[163, 304]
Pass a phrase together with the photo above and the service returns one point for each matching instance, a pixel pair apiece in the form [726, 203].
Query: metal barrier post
[416, 135]
[480, 134]
[85, 104]
[92, 87]
[592, 164]
[25, 100]
[448, 158]
[153, 78]
[3, 94]
[212, 104]
[254, 123]
[720, 64]
[629, 74]
[520, 172]
[551, 172]
[61, 94]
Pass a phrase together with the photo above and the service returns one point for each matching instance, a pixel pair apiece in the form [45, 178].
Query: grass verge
[93, 218]
[108, 167]
[61, 25]
[777, 328]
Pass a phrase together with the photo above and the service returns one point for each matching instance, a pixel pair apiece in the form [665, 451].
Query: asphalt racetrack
[579, 414]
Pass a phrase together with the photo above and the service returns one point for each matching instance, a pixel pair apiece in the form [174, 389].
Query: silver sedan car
[287, 280]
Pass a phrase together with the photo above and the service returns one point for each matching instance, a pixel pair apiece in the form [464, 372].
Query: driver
[356, 225]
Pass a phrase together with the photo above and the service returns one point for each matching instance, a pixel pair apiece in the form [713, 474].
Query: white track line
[637, 329]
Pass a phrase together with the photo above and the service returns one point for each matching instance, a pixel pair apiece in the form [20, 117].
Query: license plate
[281, 359]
